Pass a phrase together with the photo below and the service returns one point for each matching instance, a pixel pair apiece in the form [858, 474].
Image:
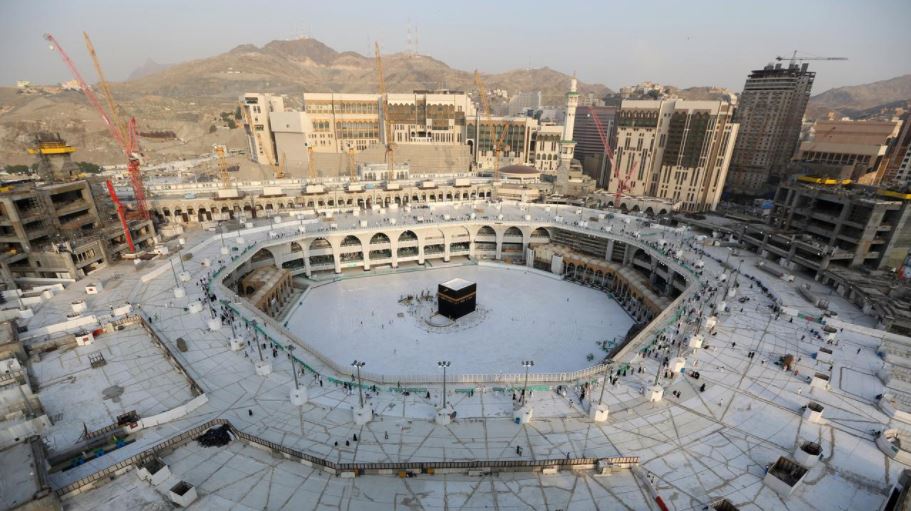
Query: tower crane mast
[497, 143]
[128, 142]
[390, 144]
[794, 58]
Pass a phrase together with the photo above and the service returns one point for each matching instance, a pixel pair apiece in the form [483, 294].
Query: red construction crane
[128, 142]
[605, 141]
[625, 182]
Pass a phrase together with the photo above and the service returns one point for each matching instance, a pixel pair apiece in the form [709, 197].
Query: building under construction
[62, 227]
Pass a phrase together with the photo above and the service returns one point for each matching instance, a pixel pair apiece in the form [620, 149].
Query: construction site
[532, 324]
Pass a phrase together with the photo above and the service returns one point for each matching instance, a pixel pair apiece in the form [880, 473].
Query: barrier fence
[660, 322]
[424, 467]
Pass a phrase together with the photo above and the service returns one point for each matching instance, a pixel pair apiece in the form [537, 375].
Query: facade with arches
[641, 280]
[205, 209]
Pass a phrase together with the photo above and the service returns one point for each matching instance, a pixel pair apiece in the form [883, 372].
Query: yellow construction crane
[499, 145]
[352, 174]
[390, 144]
[496, 143]
[311, 167]
[280, 168]
[220, 153]
[119, 125]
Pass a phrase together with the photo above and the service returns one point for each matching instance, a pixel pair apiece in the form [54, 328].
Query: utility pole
[608, 369]
[444, 364]
[293, 369]
[527, 364]
[360, 390]
[256, 340]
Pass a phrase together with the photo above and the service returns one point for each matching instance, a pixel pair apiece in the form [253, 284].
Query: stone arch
[486, 230]
[649, 211]
[513, 231]
[540, 236]
[434, 241]
[262, 255]
[407, 238]
[379, 238]
[408, 235]
[351, 241]
[319, 243]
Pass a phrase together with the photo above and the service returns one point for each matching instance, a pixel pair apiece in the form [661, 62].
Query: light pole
[360, 390]
[607, 372]
[256, 340]
[174, 271]
[444, 364]
[293, 369]
[738, 272]
[527, 364]
[180, 259]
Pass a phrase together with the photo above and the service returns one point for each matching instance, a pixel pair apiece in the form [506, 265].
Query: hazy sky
[684, 43]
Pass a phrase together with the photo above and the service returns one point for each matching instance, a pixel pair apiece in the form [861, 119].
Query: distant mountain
[147, 68]
[856, 98]
[192, 98]
[294, 66]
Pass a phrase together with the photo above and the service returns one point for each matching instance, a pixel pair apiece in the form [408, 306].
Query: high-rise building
[769, 113]
[256, 109]
[675, 149]
[590, 146]
[856, 150]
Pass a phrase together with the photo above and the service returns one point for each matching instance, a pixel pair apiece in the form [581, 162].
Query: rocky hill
[189, 98]
[854, 100]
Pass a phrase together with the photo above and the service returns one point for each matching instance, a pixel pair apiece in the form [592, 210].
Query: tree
[237, 114]
[212, 129]
[231, 124]
[88, 167]
[17, 169]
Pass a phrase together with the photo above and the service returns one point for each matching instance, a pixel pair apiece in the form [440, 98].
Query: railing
[427, 467]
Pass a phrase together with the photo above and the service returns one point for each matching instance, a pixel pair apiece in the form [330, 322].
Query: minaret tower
[567, 145]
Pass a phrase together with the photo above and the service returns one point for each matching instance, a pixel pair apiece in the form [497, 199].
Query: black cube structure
[456, 298]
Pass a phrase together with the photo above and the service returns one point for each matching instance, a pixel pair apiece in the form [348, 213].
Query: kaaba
[456, 298]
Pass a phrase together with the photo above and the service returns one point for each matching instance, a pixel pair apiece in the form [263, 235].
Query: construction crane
[129, 133]
[311, 166]
[105, 88]
[625, 183]
[352, 168]
[794, 58]
[220, 152]
[390, 144]
[279, 167]
[498, 143]
[128, 142]
[605, 141]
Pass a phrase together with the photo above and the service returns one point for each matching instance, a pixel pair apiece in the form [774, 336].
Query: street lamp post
[293, 369]
[174, 271]
[360, 390]
[444, 364]
[256, 340]
[607, 372]
[527, 364]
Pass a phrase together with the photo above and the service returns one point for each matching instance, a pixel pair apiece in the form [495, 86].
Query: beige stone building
[674, 149]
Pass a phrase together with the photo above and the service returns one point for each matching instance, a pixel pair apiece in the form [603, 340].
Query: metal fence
[427, 467]
[658, 323]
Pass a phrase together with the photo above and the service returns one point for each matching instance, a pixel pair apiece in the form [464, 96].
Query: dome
[523, 171]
